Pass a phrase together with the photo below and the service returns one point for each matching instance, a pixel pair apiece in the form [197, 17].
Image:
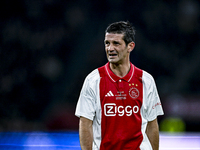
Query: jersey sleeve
[87, 100]
[154, 107]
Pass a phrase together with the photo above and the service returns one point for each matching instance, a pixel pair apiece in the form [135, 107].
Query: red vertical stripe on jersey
[121, 119]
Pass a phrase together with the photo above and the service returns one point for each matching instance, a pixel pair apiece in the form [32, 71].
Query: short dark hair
[122, 27]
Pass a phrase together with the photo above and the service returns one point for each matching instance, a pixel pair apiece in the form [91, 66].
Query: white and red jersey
[120, 108]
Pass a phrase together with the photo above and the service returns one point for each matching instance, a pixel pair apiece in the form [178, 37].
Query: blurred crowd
[47, 48]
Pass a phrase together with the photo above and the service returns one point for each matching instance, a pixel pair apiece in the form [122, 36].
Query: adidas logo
[109, 94]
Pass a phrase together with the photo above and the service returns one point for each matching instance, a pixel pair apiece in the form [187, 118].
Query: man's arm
[85, 133]
[152, 132]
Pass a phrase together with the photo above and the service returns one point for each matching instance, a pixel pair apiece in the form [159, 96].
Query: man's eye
[116, 43]
[107, 43]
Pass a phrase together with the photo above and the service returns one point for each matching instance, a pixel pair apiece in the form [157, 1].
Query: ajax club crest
[134, 92]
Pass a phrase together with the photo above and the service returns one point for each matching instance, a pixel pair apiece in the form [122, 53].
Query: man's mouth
[112, 55]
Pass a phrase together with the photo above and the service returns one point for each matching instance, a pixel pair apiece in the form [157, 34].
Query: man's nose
[110, 47]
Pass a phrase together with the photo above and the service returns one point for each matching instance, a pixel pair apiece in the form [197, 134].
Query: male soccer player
[119, 104]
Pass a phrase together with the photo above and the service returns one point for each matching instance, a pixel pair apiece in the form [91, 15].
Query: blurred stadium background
[47, 47]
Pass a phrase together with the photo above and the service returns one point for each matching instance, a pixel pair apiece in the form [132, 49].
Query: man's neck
[120, 70]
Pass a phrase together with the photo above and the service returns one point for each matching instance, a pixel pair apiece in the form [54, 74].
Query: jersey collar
[115, 78]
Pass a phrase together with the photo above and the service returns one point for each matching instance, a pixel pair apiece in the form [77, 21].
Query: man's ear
[131, 46]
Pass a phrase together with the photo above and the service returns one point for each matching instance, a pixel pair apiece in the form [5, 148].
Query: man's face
[116, 50]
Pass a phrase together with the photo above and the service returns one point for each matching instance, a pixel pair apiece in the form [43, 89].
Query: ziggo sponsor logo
[111, 109]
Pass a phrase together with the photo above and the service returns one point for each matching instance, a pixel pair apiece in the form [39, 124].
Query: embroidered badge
[134, 92]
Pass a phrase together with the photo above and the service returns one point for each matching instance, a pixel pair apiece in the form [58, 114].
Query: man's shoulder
[148, 79]
[93, 74]
[146, 76]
